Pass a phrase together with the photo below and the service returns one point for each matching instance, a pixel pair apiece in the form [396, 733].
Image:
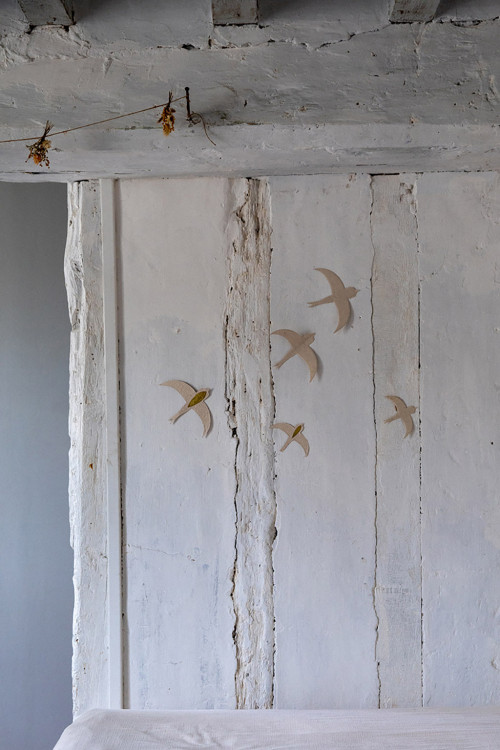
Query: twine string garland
[38, 151]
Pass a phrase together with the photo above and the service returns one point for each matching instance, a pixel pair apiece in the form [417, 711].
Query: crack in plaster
[375, 520]
[232, 424]
[38, 43]
[419, 353]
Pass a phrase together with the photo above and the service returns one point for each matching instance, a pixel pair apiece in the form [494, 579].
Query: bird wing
[204, 414]
[303, 442]
[344, 311]
[287, 428]
[408, 423]
[310, 358]
[339, 296]
[336, 283]
[294, 338]
[186, 391]
[398, 403]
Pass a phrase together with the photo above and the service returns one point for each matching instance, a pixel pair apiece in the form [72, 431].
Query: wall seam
[273, 399]
[419, 335]
[375, 469]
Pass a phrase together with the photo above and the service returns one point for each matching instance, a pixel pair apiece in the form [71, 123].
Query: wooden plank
[459, 236]
[407, 11]
[324, 557]
[235, 12]
[395, 299]
[87, 458]
[46, 12]
[113, 475]
[178, 487]
[250, 409]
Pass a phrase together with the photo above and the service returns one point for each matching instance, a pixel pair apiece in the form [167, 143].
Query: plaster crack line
[273, 547]
[419, 353]
[375, 580]
[232, 423]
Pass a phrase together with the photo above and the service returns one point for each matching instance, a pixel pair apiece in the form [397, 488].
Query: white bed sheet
[387, 729]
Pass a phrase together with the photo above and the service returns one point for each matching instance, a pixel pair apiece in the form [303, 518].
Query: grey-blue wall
[36, 562]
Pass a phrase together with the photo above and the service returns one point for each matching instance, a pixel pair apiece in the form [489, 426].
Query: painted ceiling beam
[406, 11]
[46, 12]
[235, 12]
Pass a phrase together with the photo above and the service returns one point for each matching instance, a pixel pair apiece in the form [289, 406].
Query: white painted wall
[364, 574]
[35, 555]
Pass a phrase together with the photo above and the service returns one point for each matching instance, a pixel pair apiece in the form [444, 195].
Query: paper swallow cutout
[295, 434]
[195, 400]
[340, 296]
[301, 346]
[403, 412]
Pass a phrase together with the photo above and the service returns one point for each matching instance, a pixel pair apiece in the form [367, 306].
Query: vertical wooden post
[112, 432]
[87, 456]
[250, 410]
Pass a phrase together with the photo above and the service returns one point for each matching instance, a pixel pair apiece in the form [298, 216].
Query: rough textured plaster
[298, 68]
[250, 412]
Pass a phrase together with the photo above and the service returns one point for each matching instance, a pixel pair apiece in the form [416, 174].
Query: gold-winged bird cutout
[195, 400]
[295, 434]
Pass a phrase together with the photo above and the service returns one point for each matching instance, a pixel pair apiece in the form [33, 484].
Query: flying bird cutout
[299, 345]
[403, 413]
[295, 434]
[340, 296]
[195, 400]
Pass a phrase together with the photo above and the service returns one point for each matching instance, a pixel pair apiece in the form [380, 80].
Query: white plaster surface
[395, 321]
[324, 557]
[375, 534]
[459, 236]
[178, 487]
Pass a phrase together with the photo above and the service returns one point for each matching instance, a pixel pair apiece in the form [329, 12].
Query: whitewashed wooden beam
[407, 11]
[46, 12]
[395, 322]
[268, 150]
[235, 12]
[396, 117]
[112, 448]
[87, 456]
[250, 410]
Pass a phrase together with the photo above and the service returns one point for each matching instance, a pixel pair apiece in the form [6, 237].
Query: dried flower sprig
[39, 149]
[167, 116]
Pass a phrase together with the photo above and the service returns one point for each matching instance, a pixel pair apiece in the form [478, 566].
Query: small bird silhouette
[340, 296]
[295, 434]
[403, 413]
[195, 400]
[301, 346]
